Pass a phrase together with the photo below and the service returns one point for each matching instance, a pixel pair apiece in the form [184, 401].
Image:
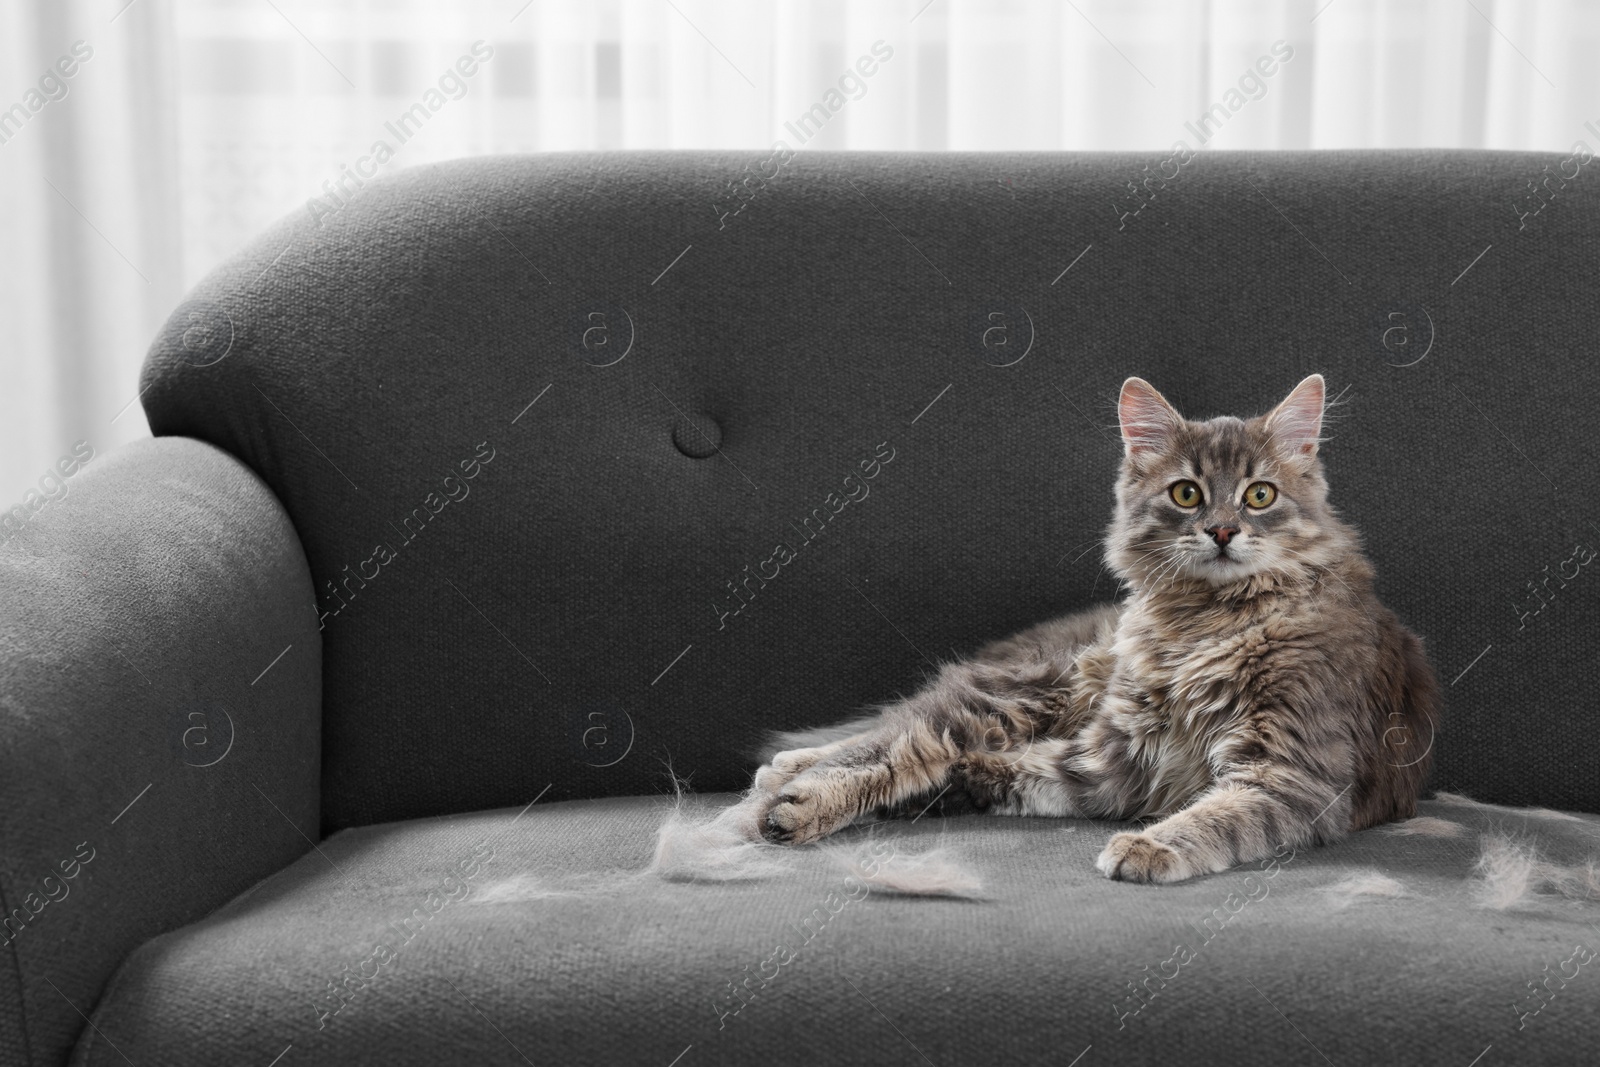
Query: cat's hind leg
[968, 707]
[866, 773]
[799, 751]
[785, 766]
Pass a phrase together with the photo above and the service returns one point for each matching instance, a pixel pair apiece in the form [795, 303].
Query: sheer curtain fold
[195, 123]
[91, 238]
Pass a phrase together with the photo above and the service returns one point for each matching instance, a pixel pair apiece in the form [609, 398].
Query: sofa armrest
[160, 716]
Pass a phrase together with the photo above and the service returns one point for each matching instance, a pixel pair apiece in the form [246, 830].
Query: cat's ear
[1148, 421]
[1297, 422]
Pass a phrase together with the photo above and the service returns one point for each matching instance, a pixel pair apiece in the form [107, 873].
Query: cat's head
[1223, 499]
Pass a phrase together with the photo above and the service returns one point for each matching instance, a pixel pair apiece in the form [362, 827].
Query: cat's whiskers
[1174, 560]
[1165, 563]
[1178, 571]
[1091, 544]
[1171, 560]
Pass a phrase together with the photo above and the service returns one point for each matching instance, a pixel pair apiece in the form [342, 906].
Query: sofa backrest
[606, 464]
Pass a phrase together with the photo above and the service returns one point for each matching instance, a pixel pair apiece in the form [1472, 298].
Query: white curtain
[187, 126]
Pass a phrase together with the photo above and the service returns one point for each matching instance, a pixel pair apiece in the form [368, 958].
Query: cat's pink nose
[1221, 534]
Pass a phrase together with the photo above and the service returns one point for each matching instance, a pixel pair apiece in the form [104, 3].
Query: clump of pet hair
[1535, 813]
[1511, 872]
[726, 846]
[516, 890]
[937, 872]
[1426, 826]
[1369, 883]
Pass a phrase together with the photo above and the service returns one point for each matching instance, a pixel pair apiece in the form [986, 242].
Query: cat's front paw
[784, 767]
[1130, 857]
[799, 816]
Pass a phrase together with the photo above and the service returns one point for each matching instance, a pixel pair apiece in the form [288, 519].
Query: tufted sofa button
[697, 436]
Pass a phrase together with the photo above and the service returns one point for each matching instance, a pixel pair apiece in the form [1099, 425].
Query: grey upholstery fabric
[151, 768]
[701, 386]
[554, 950]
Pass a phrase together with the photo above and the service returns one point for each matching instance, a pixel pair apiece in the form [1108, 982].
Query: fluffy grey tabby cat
[1249, 692]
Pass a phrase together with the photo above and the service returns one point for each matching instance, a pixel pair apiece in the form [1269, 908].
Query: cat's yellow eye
[1185, 494]
[1260, 494]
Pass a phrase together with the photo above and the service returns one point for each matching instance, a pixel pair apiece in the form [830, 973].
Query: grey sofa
[337, 720]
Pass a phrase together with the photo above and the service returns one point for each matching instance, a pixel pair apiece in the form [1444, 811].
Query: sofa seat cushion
[511, 937]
